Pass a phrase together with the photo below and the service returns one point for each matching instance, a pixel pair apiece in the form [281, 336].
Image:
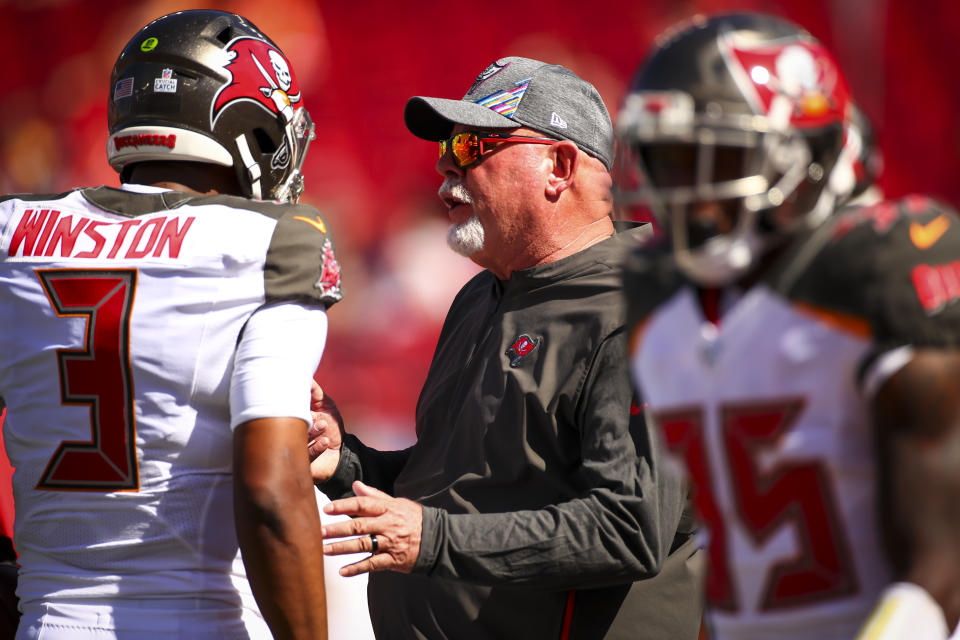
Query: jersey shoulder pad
[301, 262]
[895, 265]
[35, 197]
[133, 203]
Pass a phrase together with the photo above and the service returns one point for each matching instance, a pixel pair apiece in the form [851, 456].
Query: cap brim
[434, 118]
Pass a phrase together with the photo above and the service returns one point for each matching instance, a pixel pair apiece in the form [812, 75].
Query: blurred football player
[159, 345]
[801, 357]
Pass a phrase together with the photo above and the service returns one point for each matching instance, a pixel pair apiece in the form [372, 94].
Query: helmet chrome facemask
[774, 161]
[299, 133]
[772, 164]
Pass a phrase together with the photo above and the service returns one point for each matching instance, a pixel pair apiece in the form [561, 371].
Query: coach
[534, 503]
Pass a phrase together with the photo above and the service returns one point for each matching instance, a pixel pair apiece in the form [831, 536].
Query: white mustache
[455, 189]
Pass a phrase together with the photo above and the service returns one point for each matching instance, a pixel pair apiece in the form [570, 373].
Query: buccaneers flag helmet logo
[801, 71]
[258, 73]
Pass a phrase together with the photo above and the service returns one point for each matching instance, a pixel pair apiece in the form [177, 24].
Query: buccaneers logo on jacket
[260, 74]
[521, 348]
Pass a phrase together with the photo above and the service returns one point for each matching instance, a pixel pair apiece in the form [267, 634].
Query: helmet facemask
[298, 132]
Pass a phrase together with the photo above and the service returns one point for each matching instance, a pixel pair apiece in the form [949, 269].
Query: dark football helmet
[209, 86]
[737, 129]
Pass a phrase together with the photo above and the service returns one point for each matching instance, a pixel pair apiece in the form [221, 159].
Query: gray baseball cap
[514, 92]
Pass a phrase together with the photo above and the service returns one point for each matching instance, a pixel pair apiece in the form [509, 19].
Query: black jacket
[544, 494]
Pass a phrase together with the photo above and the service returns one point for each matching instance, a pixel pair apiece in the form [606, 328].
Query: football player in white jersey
[803, 358]
[159, 342]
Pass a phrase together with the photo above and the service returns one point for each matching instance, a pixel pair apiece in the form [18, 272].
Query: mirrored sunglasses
[467, 147]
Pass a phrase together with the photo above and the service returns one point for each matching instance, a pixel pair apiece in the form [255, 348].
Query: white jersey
[348, 616]
[766, 412]
[121, 314]
[770, 411]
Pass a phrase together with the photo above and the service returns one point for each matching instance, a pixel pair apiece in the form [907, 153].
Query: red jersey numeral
[683, 431]
[796, 494]
[98, 375]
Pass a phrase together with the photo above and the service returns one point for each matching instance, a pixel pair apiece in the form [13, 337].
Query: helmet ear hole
[225, 36]
[264, 141]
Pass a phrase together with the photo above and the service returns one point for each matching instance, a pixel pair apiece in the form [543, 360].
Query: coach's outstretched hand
[325, 435]
[394, 523]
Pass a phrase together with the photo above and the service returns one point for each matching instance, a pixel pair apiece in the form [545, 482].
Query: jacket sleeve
[359, 462]
[619, 531]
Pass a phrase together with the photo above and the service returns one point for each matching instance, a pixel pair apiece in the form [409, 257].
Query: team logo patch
[506, 102]
[329, 282]
[259, 74]
[521, 348]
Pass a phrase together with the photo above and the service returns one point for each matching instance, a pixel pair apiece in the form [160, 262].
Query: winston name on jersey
[769, 407]
[121, 310]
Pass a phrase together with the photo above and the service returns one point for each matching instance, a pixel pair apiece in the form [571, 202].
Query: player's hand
[396, 522]
[325, 435]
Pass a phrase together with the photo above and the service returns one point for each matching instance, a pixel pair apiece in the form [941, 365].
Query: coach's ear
[564, 157]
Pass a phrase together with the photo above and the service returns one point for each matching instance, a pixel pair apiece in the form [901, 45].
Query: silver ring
[374, 545]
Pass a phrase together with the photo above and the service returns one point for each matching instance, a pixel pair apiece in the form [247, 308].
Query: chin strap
[253, 169]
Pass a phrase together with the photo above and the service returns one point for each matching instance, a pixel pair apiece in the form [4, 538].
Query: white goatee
[466, 238]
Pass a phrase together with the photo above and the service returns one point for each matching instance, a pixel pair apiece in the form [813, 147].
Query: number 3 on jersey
[98, 375]
[766, 499]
